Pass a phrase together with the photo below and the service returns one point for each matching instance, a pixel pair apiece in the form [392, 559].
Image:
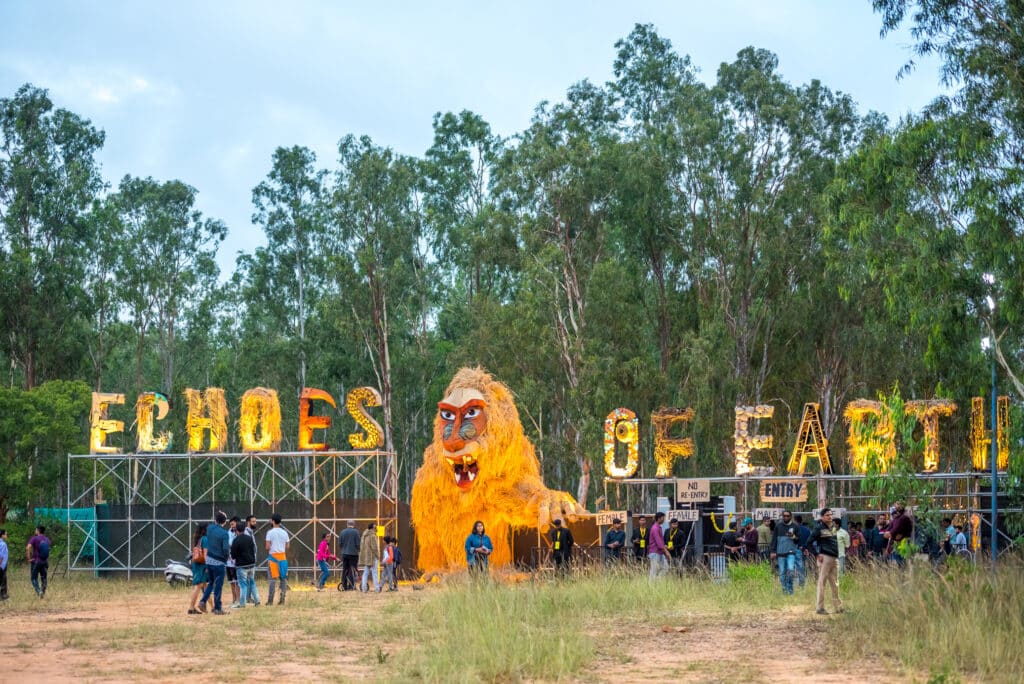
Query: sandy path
[334, 636]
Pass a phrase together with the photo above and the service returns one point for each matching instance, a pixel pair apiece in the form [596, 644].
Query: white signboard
[606, 517]
[693, 490]
[770, 513]
[683, 515]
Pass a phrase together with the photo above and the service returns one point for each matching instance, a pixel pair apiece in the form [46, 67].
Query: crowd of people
[226, 550]
[831, 545]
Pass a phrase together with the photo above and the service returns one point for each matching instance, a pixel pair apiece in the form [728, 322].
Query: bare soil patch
[128, 632]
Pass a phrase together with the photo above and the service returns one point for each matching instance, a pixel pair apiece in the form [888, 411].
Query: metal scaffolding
[158, 499]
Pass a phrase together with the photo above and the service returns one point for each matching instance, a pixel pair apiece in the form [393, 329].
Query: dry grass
[962, 623]
[596, 626]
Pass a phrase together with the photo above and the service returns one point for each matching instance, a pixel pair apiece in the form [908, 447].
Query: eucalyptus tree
[288, 273]
[475, 248]
[978, 145]
[378, 263]
[49, 179]
[557, 184]
[167, 263]
[654, 85]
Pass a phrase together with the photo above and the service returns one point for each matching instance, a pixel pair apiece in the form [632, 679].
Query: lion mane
[507, 494]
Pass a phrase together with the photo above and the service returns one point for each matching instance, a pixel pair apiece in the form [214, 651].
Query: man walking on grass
[349, 542]
[784, 547]
[277, 560]
[824, 536]
[217, 552]
[38, 553]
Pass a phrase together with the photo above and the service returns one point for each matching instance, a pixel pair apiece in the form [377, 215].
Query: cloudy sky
[204, 91]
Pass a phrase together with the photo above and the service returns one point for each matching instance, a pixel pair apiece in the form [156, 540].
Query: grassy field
[960, 626]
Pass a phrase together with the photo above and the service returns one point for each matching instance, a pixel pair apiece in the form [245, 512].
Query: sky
[204, 92]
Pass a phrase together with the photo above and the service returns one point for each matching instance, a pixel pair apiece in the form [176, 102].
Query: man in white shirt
[277, 558]
[843, 540]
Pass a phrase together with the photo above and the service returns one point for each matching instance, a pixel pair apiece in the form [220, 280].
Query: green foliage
[890, 481]
[660, 239]
[38, 428]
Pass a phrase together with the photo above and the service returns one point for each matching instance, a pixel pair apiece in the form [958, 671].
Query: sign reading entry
[784, 490]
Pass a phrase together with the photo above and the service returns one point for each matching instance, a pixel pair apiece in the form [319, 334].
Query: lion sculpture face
[477, 467]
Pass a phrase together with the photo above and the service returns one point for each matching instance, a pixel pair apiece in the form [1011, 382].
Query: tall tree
[557, 184]
[168, 261]
[48, 181]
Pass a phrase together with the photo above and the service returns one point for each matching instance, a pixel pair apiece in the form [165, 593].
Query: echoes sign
[784, 490]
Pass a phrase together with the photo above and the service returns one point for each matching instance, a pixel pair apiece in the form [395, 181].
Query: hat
[556, 522]
[616, 521]
[748, 520]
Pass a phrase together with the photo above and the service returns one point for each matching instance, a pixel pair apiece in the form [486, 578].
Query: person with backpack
[388, 561]
[38, 553]
[398, 563]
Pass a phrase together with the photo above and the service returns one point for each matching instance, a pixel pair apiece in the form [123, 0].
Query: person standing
[232, 569]
[217, 552]
[750, 540]
[561, 547]
[37, 551]
[731, 543]
[675, 542]
[959, 542]
[277, 560]
[657, 553]
[784, 548]
[250, 530]
[614, 540]
[323, 555]
[843, 542]
[349, 542]
[4, 555]
[369, 558]
[198, 560]
[639, 538]
[802, 551]
[243, 550]
[824, 535]
[901, 528]
[764, 537]
[478, 548]
[388, 561]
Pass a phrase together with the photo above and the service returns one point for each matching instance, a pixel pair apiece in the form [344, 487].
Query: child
[323, 554]
[388, 561]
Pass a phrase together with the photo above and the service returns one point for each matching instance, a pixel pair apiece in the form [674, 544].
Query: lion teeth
[472, 476]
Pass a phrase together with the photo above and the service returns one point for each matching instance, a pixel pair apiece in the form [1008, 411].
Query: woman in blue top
[478, 548]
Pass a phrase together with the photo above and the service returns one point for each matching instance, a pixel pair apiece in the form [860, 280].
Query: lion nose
[454, 443]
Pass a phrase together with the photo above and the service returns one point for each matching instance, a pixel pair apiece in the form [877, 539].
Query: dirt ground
[110, 632]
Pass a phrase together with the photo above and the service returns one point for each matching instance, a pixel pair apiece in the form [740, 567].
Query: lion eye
[472, 413]
[447, 415]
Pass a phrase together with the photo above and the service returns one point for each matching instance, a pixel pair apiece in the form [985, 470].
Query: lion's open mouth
[465, 473]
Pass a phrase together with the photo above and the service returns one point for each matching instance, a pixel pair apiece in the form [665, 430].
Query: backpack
[43, 551]
[398, 554]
